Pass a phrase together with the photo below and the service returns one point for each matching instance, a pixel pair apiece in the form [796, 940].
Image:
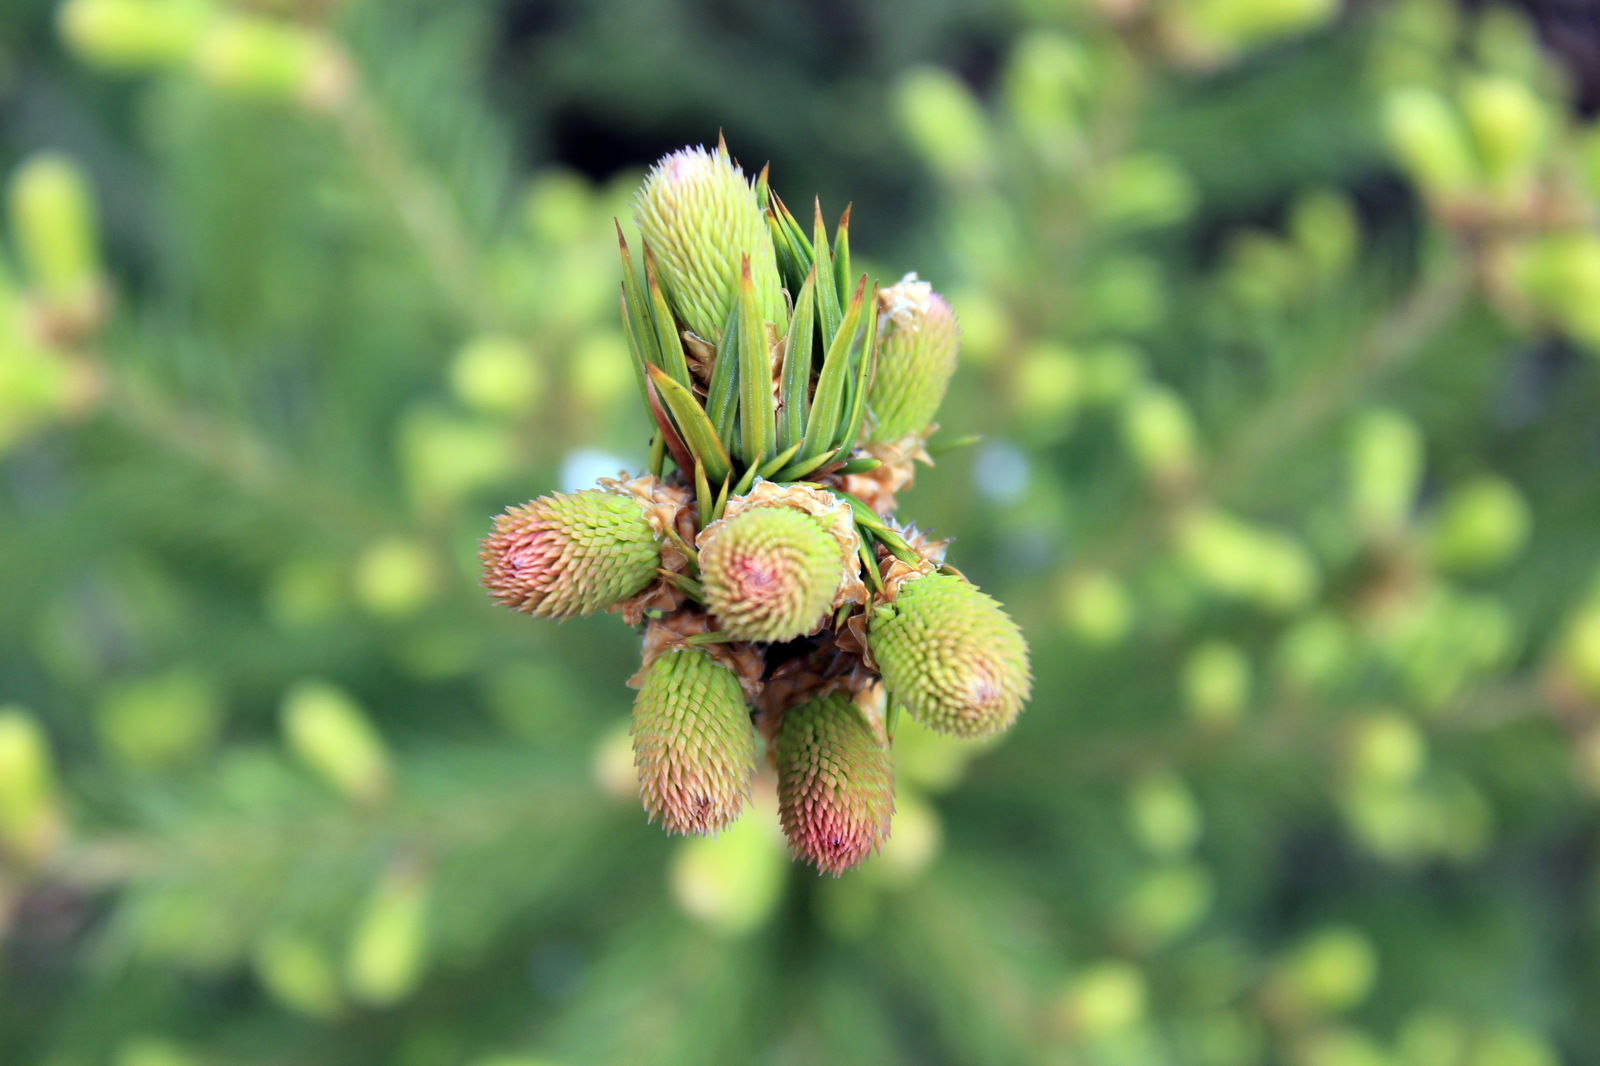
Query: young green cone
[769, 573]
[917, 338]
[564, 555]
[835, 784]
[693, 745]
[700, 218]
[951, 656]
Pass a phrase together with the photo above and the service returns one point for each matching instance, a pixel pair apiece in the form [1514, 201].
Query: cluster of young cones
[781, 601]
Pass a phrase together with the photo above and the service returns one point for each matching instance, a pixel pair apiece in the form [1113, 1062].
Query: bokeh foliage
[1280, 322]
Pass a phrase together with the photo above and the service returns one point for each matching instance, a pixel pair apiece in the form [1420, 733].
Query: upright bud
[917, 338]
[1508, 123]
[769, 573]
[389, 946]
[53, 213]
[133, 34]
[693, 745]
[1428, 136]
[1160, 434]
[272, 60]
[1386, 455]
[835, 784]
[30, 816]
[565, 555]
[700, 218]
[951, 656]
[333, 737]
[1481, 525]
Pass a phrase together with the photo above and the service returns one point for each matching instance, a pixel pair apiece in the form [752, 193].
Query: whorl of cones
[769, 573]
[564, 555]
[917, 341]
[789, 397]
[835, 784]
[951, 656]
[700, 218]
[693, 745]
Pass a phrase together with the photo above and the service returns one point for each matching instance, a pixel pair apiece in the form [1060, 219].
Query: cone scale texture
[789, 398]
[693, 746]
[835, 784]
[916, 357]
[699, 217]
[951, 656]
[566, 555]
[769, 573]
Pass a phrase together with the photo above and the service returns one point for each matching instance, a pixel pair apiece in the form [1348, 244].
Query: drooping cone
[693, 745]
[770, 573]
[700, 217]
[951, 656]
[564, 555]
[835, 784]
[917, 340]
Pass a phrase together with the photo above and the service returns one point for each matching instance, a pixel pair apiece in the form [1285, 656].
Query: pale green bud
[1146, 190]
[161, 721]
[298, 974]
[497, 375]
[917, 343]
[565, 555]
[1314, 650]
[1326, 228]
[1048, 386]
[835, 784]
[1096, 607]
[331, 735]
[1385, 748]
[916, 842]
[945, 123]
[951, 656]
[733, 881]
[1386, 458]
[1430, 1037]
[1216, 683]
[1105, 999]
[273, 60]
[446, 457]
[1510, 1044]
[693, 745]
[389, 944]
[395, 577]
[1481, 525]
[30, 814]
[1168, 902]
[1509, 125]
[1160, 434]
[1331, 970]
[699, 216]
[133, 34]
[1045, 76]
[1560, 275]
[53, 218]
[1163, 815]
[1428, 136]
[1238, 23]
[1580, 650]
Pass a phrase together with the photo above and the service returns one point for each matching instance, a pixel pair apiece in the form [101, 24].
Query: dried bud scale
[782, 597]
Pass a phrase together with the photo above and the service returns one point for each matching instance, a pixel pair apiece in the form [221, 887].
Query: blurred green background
[1280, 324]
